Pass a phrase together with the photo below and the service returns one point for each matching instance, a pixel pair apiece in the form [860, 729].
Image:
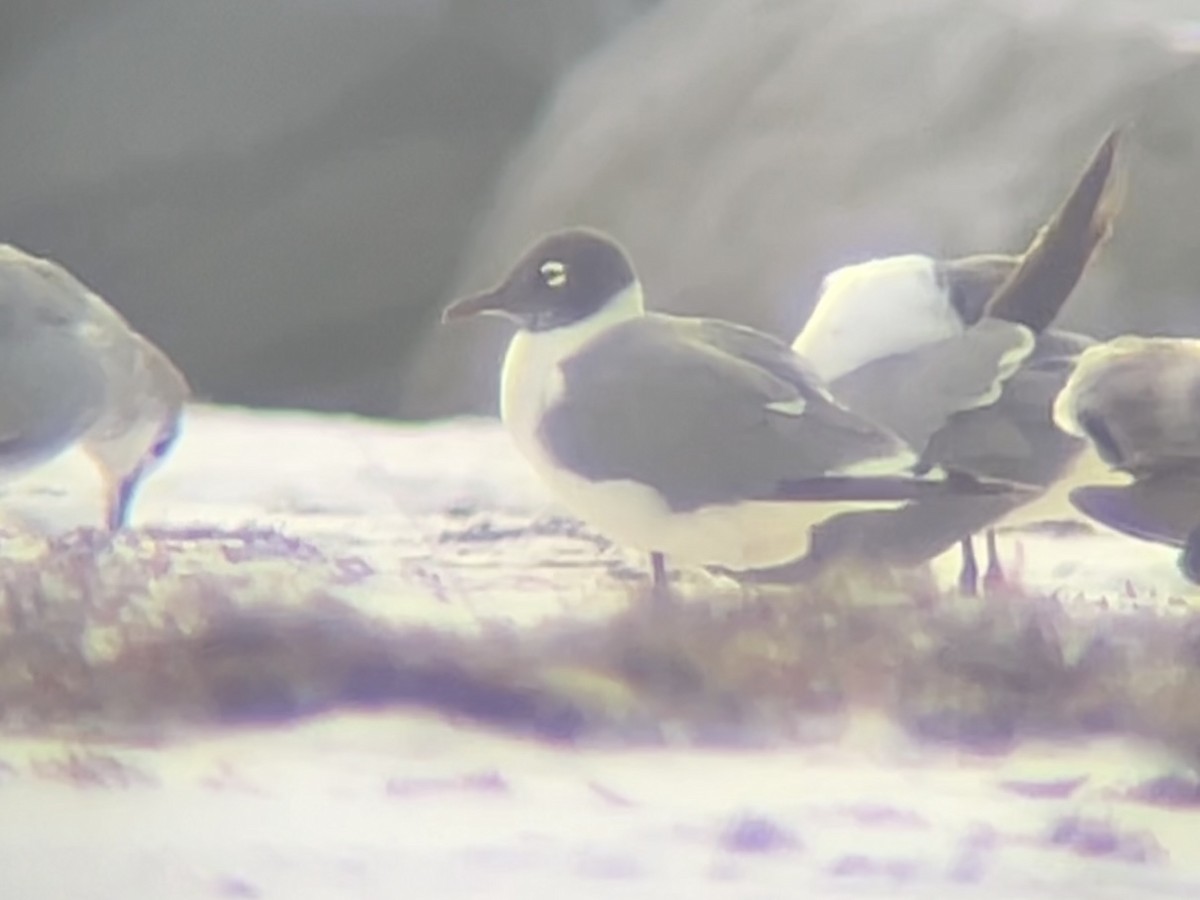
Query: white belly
[738, 536]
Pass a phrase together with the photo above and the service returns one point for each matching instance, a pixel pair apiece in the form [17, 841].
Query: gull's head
[876, 309]
[564, 279]
[139, 428]
[1134, 398]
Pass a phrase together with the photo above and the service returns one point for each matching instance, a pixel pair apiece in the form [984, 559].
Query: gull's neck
[530, 370]
[567, 339]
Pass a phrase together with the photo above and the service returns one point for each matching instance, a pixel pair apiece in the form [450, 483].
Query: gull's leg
[994, 578]
[1189, 556]
[968, 575]
[119, 504]
[658, 568]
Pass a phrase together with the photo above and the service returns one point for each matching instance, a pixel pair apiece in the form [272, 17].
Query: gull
[892, 336]
[690, 438]
[75, 373]
[1136, 400]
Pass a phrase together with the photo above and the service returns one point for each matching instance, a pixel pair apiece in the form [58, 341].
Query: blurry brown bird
[74, 372]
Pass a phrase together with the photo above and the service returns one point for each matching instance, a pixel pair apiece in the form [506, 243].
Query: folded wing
[709, 413]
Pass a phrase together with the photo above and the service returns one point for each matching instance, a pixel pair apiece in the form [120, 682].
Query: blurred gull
[76, 373]
[1137, 401]
[910, 342]
[692, 438]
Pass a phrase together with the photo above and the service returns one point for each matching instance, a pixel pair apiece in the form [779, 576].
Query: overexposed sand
[382, 807]
[443, 525]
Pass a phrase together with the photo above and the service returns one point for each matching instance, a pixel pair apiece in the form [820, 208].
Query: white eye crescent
[553, 273]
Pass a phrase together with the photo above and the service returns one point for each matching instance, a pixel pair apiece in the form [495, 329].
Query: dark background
[283, 192]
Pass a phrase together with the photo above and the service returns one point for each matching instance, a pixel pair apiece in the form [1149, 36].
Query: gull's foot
[996, 580]
[85, 539]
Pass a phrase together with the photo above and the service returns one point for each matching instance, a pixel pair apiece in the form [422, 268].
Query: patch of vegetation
[124, 644]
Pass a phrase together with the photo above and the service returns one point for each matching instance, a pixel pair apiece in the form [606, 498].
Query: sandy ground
[379, 805]
[371, 807]
[428, 507]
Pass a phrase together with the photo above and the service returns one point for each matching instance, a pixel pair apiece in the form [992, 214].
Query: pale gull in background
[909, 342]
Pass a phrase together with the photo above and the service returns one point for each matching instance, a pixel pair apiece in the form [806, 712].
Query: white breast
[876, 309]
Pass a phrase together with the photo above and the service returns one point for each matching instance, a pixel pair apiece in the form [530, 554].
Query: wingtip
[1086, 216]
[1118, 507]
[1034, 294]
[1100, 192]
[1116, 186]
[1107, 151]
[966, 483]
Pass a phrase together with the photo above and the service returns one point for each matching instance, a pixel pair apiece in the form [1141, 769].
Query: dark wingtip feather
[1117, 507]
[894, 488]
[1051, 267]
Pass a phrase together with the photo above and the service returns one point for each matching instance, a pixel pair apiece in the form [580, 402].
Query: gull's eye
[553, 273]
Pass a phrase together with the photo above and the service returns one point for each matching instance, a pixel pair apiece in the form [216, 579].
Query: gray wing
[706, 412]
[915, 393]
[1164, 509]
[53, 386]
[1015, 437]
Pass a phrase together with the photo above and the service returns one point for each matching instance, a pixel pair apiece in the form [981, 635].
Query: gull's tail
[1048, 271]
